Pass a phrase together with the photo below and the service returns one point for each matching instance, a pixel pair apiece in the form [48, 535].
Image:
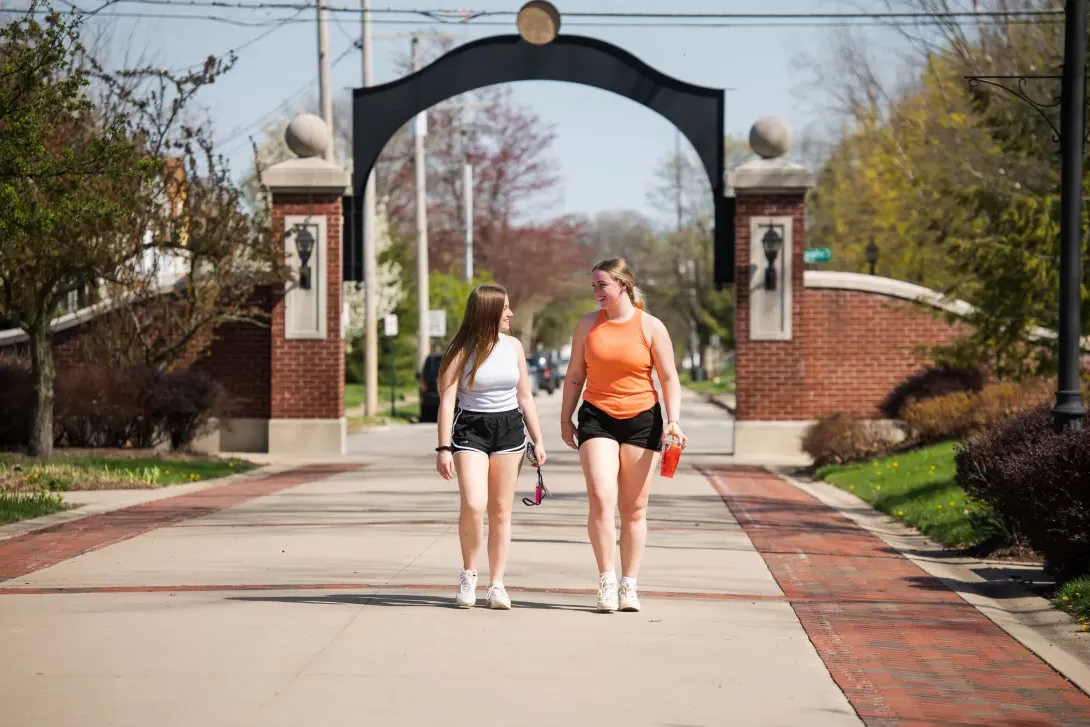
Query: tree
[958, 185]
[676, 265]
[69, 188]
[115, 188]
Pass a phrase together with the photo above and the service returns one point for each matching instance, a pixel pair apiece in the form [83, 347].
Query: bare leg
[601, 464]
[503, 472]
[472, 469]
[634, 488]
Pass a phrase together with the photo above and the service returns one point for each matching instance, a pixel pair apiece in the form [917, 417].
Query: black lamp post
[1069, 411]
[304, 243]
[872, 255]
[772, 242]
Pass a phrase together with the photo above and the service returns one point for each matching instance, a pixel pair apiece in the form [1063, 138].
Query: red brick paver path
[904, 649]
[34, 551]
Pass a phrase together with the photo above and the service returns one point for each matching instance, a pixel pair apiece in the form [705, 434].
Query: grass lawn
[721, 385]
[917, 488]
[353, 394]
[101, 473]
[1074, 598]
[405, 414]
[23, 505]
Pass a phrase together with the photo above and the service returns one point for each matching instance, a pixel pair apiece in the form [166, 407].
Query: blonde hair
[479, 331]
[618, 269]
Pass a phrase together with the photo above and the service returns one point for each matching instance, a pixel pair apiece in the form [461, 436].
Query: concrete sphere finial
[770, 137]
[307, 135]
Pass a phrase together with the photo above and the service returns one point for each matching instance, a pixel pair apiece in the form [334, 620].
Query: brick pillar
[770, 365]
[307, 376]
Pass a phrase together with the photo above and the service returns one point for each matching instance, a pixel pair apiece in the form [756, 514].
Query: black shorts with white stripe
[488, 433]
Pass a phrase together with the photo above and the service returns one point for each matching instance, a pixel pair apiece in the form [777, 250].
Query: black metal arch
[697, 112]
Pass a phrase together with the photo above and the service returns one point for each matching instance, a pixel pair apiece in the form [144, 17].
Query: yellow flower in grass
[951, 503]
[900, 513]
[851, 487]
[939, 507]
[1066, 598]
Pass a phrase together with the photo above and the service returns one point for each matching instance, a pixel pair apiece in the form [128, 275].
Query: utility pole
[370, 254]
[423, 340]
[677, 175]
[467, 213]
[325, 96]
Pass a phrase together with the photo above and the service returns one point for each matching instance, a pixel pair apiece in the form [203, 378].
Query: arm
[448, 398]
[662, 353]
[573, 381]
[528, 405]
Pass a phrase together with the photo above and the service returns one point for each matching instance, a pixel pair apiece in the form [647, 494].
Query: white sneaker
[467, 590]
[607, 592]
[629, 601]
[498, 598]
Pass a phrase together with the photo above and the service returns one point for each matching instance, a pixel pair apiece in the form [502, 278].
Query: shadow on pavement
[400, 600]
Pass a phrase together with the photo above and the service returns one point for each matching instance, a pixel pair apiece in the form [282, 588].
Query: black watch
[447, 448]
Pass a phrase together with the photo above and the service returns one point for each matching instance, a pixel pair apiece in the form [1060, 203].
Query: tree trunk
[41, 402]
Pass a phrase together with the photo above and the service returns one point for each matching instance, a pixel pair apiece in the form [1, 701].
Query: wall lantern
[772, 242]
[304, 243]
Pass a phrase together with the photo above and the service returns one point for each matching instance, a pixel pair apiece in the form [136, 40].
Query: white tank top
[495, 386]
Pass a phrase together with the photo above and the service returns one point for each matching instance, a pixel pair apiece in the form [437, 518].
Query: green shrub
[929, 384]
[957, 415]
[839, 438]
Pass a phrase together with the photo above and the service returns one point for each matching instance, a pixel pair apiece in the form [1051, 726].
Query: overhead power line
[872, 22]
[463, 15]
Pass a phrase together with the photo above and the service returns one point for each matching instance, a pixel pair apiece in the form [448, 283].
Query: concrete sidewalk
[329, 602]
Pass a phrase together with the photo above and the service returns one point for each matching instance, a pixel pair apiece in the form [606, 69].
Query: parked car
[429, 388]
[542, 368]
[562, 360]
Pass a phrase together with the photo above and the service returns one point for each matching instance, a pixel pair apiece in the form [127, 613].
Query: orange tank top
[619, 365]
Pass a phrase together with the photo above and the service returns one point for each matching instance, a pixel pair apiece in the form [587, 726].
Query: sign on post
[437, 323]
[389, 324]
[817, 255]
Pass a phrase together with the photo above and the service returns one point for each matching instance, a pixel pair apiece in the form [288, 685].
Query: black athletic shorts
[643, 430]
[501, 432]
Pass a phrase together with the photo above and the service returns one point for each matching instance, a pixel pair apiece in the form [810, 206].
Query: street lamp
[304, 243]
[872, 255]
[772, 242]
[1069, 412]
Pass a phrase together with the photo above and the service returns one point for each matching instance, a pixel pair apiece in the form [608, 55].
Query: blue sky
[607, 147]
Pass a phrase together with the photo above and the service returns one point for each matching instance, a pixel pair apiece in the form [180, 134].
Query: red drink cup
[670, 459]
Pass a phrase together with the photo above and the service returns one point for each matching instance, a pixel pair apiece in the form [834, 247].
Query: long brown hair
[479, 332]
[618, 269]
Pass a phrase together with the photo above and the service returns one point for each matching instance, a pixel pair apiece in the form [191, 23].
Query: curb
[1051, 639]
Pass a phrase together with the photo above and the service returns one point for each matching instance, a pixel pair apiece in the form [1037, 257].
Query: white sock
[630, 582]
[472, 573]
[608, 574]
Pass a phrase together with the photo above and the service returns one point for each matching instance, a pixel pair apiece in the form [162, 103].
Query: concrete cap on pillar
[770, 139]
[308, 137]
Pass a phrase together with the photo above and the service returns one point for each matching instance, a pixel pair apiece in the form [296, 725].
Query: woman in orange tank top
[620, 431]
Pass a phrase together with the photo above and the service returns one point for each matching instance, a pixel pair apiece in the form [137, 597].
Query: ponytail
[637, 297]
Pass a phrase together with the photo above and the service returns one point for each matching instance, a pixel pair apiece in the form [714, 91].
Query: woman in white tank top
[486, 407]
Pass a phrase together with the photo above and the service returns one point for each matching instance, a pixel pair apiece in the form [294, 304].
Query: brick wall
[848, 348]
[858, 346]
[308, 375]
